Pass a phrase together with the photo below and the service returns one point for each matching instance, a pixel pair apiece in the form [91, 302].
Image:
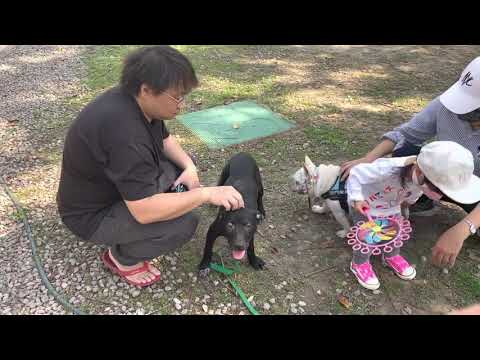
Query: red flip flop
[123, 274]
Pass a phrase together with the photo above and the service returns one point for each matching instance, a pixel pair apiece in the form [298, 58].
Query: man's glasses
[177, 101]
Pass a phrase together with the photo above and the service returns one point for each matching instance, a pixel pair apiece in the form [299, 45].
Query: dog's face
[299, 182]
[239, 229]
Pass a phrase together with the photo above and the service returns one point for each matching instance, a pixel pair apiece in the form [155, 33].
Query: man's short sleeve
[132, 168]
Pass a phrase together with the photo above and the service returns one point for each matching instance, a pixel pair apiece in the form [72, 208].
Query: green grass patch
[336, 140]
[467, 284]
[26, 193]
[19, 215]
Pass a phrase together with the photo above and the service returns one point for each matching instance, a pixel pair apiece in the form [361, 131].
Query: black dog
[238, 226]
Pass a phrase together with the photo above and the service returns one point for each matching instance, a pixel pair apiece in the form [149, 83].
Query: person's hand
[471, 310]
[448, 246]
[347, 166]
[360, 206]
[226, 196]
[189, 178]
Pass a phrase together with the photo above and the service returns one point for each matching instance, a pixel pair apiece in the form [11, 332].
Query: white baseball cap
[449, 166]
[464, 96]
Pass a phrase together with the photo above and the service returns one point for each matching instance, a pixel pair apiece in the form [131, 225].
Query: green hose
[228, 273]
[38, 262]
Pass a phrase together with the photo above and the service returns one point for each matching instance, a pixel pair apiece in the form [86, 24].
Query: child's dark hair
[160, 67]
[403, 174]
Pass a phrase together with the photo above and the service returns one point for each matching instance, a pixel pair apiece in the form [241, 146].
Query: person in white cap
[453, 116]
[380, 188]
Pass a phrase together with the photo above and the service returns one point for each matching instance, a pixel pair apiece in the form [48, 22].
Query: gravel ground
[33, 80]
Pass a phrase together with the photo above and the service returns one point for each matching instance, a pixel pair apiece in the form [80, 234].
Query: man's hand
[226, 196]
[347, 166]
[189, 178]
[448, 246]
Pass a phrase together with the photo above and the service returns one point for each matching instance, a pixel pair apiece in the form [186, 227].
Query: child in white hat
[383, 186]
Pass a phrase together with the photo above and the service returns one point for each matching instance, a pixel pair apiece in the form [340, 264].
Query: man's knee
[171, 235]
[192, 220]
[185, 226]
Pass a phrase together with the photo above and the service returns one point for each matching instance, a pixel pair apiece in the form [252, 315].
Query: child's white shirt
[379, 184]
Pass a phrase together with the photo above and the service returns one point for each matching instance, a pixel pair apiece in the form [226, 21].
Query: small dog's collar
[311, 180]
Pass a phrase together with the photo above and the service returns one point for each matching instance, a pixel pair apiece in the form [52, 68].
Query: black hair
[403, 174]
[470, 116]
[160, 67]
[403, 177]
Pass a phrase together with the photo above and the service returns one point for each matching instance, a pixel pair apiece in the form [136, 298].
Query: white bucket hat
[449, 166]
[464, 96]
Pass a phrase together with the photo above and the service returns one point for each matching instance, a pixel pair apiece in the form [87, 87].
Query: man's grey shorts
[132, 242]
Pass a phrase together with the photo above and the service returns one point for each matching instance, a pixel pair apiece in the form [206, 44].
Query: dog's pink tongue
[238, 254]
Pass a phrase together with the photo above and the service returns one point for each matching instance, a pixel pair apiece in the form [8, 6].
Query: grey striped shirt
[436, 121]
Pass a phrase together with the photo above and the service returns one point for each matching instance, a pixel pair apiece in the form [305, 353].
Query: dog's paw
[257, 263]
[203, 273]
[317, 209]
[342, 233]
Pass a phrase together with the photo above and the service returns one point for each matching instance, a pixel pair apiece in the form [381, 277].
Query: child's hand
[361, 206]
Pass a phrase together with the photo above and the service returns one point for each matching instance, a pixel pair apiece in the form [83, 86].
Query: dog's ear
[309, 166]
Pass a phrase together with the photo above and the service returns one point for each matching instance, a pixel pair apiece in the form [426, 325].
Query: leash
[228, 273]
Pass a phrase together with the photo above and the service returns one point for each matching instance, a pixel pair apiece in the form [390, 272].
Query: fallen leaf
[407, 310]
[327, 244]
[345, 302]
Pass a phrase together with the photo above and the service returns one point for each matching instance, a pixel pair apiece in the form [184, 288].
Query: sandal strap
[140, 270]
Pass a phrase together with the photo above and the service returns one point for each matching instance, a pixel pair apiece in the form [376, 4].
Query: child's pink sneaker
[365, 275]
[400, 266]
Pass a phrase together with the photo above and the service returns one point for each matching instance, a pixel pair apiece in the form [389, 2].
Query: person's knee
[187, 226]
[170, 236]
[193, 220]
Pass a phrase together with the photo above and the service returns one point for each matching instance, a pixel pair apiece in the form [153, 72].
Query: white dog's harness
[327, 184]
[337, 191]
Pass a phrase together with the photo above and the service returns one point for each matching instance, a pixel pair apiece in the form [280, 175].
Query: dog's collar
[311, 180]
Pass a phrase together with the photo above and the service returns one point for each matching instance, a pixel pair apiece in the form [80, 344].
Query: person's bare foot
[143, 277]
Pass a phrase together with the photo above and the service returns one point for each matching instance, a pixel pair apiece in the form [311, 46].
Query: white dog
[323, 183]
